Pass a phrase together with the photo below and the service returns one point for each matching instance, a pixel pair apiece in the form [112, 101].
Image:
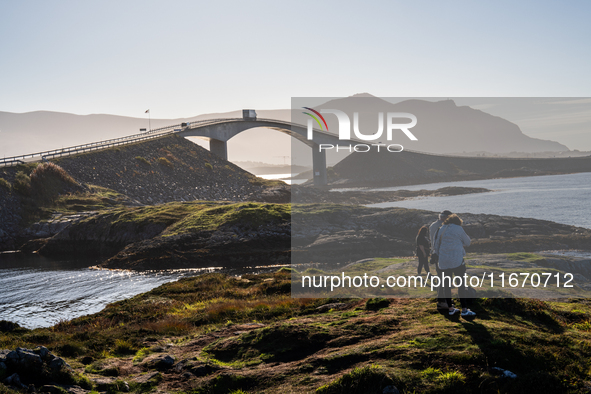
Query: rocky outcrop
[333, 233]
[99, 235]
[175, 235]
[228, 246]
[317, 232]
[57, 223]
[160, 362]
[34, 368]
[10, 211]
[310, 195]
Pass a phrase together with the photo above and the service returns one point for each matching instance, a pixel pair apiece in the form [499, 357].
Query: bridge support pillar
[219, 148]
[319, 166]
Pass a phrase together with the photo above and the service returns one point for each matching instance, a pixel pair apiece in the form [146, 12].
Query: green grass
[224, 384]
[299, 349]
[371, 265]
[141, 354]
[526, 257]
[96, 198]
[252, 215]
[190, 217]
[452, 378]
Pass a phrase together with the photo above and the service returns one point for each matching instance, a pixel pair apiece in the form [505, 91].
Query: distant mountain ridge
[443, 127]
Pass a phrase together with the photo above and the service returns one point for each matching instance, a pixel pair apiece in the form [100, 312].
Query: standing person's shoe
[442, 305]
[453, 311]
[468, 313]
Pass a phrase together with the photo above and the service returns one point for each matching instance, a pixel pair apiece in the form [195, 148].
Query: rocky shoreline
[415, 168]
[335, 232]
[308, 195]
[147, 238]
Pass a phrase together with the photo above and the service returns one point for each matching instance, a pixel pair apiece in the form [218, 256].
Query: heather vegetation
[246, 334]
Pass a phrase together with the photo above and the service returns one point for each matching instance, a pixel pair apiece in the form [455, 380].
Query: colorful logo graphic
[315, 118]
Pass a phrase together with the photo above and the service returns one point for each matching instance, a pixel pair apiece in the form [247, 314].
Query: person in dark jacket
[423, 249]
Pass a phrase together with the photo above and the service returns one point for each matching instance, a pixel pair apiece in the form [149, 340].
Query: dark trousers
[440, 296]
[423, 262]
[446, 289]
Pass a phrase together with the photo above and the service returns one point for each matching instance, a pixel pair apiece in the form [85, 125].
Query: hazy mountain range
[442, 127]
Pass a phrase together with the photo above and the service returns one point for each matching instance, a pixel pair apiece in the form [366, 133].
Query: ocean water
[563, 199]
[39, 292]
[284, 177]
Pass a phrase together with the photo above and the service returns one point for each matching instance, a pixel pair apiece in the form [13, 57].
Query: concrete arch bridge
[217, 131]
[220, 131]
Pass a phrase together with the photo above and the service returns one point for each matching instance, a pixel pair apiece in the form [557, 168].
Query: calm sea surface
[559, 198]
[39, 292]
[284, 177]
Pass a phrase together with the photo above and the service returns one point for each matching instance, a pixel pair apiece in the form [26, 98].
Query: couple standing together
[447, 238]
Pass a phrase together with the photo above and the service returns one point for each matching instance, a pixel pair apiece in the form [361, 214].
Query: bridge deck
[173, 129]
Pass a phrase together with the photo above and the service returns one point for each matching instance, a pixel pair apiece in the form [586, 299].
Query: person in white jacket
[433, 231]
[449, 245]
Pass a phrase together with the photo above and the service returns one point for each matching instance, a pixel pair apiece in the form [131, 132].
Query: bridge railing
[104, 144]
[8, 161]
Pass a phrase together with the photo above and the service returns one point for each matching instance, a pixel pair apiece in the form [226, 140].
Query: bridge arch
[220, 132]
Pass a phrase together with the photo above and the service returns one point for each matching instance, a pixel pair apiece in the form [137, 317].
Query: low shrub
[72, 349]
[101, 368]
[141, 354]
[165, 162]
[123, 347]
[450, 379]
[143, 160]
[5, 184]
[368, 379]
[22, 183]
[226, 383]
[46, 171]
[48, 180]
[375, 304]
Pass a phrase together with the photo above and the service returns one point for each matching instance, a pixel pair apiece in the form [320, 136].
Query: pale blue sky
[184, 58]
